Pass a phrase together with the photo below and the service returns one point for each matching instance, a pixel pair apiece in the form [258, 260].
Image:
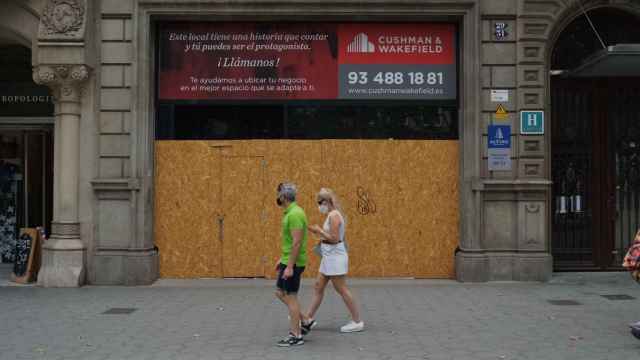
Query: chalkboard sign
[23, 250]
[27, 256]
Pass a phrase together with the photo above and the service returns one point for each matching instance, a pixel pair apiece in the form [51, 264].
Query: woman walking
[334, 264]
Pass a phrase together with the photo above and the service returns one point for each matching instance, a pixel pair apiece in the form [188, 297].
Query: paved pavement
[405, 319]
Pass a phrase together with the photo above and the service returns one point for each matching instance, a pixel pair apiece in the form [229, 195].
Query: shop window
[309, 120]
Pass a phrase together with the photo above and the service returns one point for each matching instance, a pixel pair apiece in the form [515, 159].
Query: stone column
[63, 261]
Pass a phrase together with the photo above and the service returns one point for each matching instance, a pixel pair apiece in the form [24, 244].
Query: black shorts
[292, 284]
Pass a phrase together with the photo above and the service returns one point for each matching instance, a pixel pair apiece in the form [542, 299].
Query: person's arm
[333, 236]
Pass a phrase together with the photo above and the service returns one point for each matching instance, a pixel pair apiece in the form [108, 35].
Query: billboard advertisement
[306, 61]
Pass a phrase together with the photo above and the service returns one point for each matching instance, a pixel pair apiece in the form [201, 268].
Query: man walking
[293, 259]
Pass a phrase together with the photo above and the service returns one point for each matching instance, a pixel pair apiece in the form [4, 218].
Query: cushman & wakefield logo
[396, 44]
[361, 44]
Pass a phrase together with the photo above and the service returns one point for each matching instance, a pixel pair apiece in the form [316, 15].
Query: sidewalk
[405, 319]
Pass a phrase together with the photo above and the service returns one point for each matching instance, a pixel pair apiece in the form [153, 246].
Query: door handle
[220, 227]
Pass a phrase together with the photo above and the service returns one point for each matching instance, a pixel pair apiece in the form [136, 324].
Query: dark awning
[617, 60]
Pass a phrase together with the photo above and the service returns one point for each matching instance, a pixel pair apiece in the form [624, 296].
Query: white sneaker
[352, 326]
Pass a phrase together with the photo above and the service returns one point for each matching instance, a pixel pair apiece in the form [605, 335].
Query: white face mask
[323, 209]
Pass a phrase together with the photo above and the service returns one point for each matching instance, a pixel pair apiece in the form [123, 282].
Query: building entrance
[596, 171]
[26, 150]
[595, 149]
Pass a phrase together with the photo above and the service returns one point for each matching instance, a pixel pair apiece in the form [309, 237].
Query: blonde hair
[330, 195]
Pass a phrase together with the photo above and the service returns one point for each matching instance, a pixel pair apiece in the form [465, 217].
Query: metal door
[595, 171]
[623, 119]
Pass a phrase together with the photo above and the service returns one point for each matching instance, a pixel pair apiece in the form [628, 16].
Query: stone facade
[98, 59]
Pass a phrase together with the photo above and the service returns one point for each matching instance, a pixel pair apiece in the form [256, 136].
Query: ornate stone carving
[532, 208]
[64, 80]
[63, 19]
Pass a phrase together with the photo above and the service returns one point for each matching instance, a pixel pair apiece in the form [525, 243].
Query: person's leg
[280, 295]
[291, 288]
[294, 313]
[318, 295]
[280, 285]
[340, 284]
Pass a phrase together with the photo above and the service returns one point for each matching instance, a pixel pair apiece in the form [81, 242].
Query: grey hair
[288, 191]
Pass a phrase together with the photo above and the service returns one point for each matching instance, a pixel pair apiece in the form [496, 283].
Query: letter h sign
[532, 122]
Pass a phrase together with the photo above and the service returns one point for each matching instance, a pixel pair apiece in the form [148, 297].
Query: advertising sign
[213, 60]
[499, 152]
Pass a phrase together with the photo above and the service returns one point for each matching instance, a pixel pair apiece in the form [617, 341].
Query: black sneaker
[291, 340]
[305, 328]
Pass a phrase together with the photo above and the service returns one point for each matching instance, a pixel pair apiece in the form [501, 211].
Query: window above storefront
[309, 120]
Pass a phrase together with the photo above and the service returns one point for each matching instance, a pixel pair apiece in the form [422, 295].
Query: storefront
[456, 143]
[368, 109]
[26, 150]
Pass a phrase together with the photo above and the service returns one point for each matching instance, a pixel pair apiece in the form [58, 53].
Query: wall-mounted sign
[214, 60]
[499, 147]
[25, 99]
[532, 122]
[501, 30]
[501, 113]
[499, 95]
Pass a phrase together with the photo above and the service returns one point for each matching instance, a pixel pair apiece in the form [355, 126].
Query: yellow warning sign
[501, 113]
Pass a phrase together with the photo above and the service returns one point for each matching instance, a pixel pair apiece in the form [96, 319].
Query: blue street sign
[532, 122]
[499, 136]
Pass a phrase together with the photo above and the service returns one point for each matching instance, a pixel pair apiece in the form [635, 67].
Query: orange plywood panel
[373, 211]
[400, 199]
[341, 166]
[427, 222]
[298, 162]
[185, 206]
[305, 169]
[276, 172]
[243, 200]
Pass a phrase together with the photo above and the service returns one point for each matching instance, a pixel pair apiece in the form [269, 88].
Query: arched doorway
[595, 146]
[26, 150]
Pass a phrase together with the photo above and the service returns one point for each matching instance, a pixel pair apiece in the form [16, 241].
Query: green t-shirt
[294, 218]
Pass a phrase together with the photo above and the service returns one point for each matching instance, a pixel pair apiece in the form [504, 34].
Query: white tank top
[327, 227]
[339, 249]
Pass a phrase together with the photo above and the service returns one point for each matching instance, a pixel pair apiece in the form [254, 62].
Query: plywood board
[400, 198]
[305, 169]
[243, 200]
[427, 179]
[186, 200]
[299, 162]
[371, 200]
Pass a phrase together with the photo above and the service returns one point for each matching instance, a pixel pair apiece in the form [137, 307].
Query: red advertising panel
[397, 43]
[213, 61]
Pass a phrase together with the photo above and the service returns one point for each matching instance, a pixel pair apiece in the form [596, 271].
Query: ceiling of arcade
[19, 21]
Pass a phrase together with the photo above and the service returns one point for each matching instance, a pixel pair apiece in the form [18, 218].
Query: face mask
[323, 209]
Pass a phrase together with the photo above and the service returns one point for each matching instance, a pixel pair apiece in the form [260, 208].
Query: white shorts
[335, 260]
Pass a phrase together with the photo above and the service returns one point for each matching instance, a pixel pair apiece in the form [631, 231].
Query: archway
[595, 146]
